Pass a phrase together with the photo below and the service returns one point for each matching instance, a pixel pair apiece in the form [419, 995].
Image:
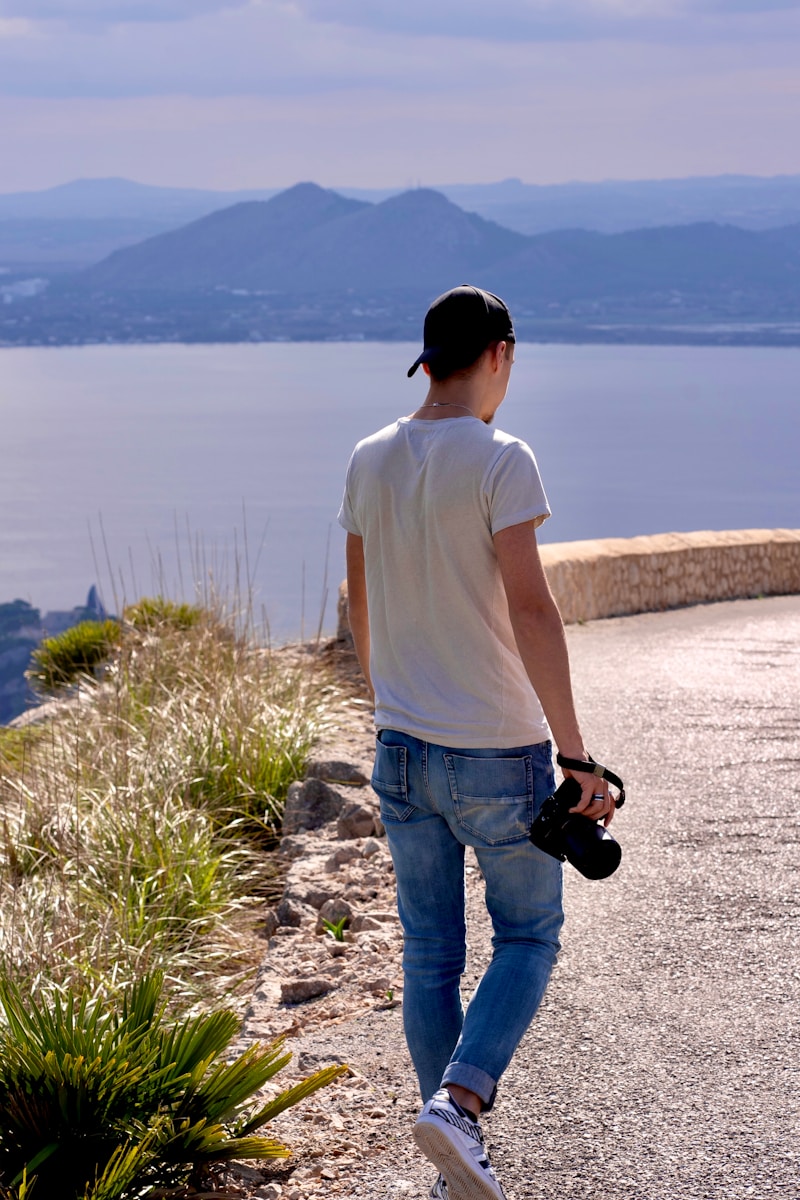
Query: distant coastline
[22, 628]
[313, 265]
[780, 334]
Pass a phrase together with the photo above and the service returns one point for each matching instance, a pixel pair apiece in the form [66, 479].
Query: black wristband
[594, 768]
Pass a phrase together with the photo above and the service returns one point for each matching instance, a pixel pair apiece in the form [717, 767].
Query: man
[463, 650]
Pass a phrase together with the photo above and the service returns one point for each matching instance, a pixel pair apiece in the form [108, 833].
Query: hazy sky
[262, 93]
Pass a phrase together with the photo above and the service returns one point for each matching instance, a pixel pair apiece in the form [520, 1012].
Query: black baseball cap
[460, 324]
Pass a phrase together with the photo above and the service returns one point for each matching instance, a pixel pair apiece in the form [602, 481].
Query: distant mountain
[81, 222]
[58, 245]
[417, 240]
[610, 206]
[120, 199]
[22, 628]
[311, 241]
[309, 264]
[615, 206]
[703, 259]
[254, 244]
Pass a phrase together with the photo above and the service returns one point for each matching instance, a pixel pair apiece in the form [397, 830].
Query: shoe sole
[465, 1180]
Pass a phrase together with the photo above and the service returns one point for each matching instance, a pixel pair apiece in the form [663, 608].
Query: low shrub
[69, 656]
[153, 612]
[107, 1104]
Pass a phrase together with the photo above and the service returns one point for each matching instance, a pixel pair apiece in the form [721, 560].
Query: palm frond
[293, 1095]
[108, 1103]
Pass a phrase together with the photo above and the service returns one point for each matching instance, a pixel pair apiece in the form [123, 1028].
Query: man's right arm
[539, 633]
[357, 613]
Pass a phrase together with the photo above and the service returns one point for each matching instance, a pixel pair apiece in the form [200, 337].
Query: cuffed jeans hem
[474, 1080]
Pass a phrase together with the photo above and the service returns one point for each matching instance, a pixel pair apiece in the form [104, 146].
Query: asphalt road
[664, 1063]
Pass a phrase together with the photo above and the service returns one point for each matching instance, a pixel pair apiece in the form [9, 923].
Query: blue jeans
[436, 800]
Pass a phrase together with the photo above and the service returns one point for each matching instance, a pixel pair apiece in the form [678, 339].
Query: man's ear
[499, 356]
[426, 368]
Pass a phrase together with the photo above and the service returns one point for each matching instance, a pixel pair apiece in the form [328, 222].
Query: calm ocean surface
[166, 461]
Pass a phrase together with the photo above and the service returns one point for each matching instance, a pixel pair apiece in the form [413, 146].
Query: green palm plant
[106, 1103]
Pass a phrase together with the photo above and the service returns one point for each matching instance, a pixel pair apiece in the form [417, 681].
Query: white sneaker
[439, 1190]
[454, 1144]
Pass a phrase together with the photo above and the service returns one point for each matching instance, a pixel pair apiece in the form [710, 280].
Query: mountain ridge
[311, 240]
[309, 264]
[216, 249]
[608, 206]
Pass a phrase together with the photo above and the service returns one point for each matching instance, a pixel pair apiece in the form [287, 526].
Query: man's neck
[459, 398]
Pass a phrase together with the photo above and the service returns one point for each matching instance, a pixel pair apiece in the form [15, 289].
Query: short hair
[442, 371]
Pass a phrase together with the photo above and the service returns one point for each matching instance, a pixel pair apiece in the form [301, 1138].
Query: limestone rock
[340, 856]
[356, 820]
[331, 770]
[333, 911]
[308, 1061]
[294, 913]
[314, 895]
[294, 845]
[266, 992]
[310, 805]
[362, 922]
[296, 991]
[271, 922]
[378, 986]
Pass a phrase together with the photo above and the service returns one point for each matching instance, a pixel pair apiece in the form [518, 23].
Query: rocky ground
[664, 1063]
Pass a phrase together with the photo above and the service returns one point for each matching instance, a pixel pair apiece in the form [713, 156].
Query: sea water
[179, 468]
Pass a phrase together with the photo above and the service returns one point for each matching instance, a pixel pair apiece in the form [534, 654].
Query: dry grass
[135, 824]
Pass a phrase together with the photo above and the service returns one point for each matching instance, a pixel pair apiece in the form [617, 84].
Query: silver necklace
[448, 404]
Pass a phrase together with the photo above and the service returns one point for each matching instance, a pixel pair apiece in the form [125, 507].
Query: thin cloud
[272, 48]
[552, 20]
[15, 27]
[258, 50]
[113, 12]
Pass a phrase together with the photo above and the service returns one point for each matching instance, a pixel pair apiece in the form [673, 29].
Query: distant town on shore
[690, 261]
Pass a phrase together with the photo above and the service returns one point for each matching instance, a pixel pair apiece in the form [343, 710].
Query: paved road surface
[665, 1061]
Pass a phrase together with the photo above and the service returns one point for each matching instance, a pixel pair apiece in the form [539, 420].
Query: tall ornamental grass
[134, 824]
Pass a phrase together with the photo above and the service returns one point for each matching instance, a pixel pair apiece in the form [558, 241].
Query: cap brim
[426, 356]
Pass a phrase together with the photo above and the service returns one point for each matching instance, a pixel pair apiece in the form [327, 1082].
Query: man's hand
[596, 799]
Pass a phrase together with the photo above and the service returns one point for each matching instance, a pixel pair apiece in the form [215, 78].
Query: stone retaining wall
[614, 577]
[617, 576]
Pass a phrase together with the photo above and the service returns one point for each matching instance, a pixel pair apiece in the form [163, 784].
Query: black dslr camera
[567, 835]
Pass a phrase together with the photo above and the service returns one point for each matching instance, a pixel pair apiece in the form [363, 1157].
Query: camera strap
[594, 768]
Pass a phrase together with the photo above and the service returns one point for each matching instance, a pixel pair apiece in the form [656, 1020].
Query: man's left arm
[539, 633]
[357, 612]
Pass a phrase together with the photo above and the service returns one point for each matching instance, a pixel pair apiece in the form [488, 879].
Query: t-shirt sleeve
[514, 490]
[347, 517]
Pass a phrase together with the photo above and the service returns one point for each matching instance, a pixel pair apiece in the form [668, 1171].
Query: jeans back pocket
[492, 797]
[390, 782]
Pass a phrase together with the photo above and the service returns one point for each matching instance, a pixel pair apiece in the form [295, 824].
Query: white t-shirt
[426, 497]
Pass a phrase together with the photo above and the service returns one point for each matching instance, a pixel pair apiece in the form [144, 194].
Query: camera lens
[590, 848]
